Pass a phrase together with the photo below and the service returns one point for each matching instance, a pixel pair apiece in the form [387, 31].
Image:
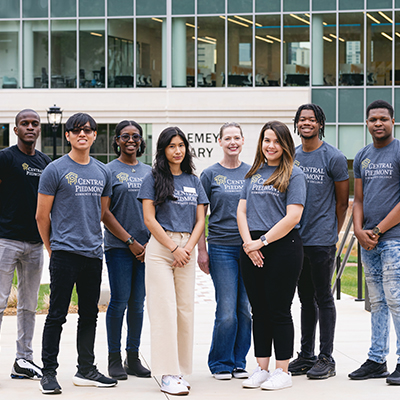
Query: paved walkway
[351, 345]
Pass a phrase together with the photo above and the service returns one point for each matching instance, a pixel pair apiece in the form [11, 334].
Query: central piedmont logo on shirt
[377, 170]
[365, 163]
[25, 166]
[297, 163]
[122, 177]
[220, 179]
[72, 178]
[31, 171]
[255, 178]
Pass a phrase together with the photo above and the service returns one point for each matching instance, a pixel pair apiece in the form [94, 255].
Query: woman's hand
[257, 258]
[182, 257]
[252, 245]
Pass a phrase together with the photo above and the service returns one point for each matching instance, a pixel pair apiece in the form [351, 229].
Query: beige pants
[170, 303]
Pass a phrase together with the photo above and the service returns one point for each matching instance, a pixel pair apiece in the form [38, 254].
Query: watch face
[376, 231]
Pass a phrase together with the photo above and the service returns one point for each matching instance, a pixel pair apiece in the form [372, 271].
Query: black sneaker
[394, 378]
[301, 365]
[324, 368]
[93, 378]
[25, 369]
[370, 369]
[48, 384]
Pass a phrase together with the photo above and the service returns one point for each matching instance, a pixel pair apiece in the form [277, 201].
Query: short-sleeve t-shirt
[379, 170]
[76, 211]
[20, 174]
[322, 168]
[265, 205]
[177, 215]
[223, 187]
[126, 182]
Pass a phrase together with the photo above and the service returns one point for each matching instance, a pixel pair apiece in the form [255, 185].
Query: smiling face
[81, 138]
[129, 146]
[308, 127]
[271, 148]
[231, 141]
[380, 125]
[175, 151]
[28, 127]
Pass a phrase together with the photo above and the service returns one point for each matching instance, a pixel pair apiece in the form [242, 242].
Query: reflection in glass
[296, 49]
[379, 47]
[351, 49]
[210, 51]
[91, 54]
[151, 7]
[151, 52]
[120, 53]
[35, 54]
[211, 7]
[91, 8]
[183, 52]
[351, 139]
[9, 70]
[63, 54]
[378, 94]
[240, 37]
[9, 9]
[119, 7]
[99, 147]
[268, 50]
[240, 6]
[34, 8]
[63, 8]
[351, 105]
[326, 99]
[330, 134]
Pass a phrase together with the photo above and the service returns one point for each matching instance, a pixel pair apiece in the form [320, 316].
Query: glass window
[9, 66]
[151, 7]
[326, 99]
[396, 104]
[296, 5]
[4, 136]
[268, 50]
[91, 54]
[91, 8]
[379, 4]
[151, 52]
[330, 134]
[63, 50]
[268, 5]
[351, 49]
[397, 50]
[397, 3]
[323, 5]
[120, 53]
[351, 5]
[379, 94]
[379, 48]
[9, 9]
[63, 8]
[182, 7]
[35, 54]
[34, 8]
[211, 7]
[296, 49]
[240, 54]
[211, 51]
[397, 131]
[240, 6]
[324, 49]
[351, 139]
[120, 7]
[183, 52]
[47, 141]
[100, 147]
[351, 105]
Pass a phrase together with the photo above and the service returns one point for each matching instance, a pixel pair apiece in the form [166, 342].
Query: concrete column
[179, 52]
[317, 50]
[27, 54]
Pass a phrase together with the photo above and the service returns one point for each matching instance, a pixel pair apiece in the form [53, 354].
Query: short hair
[78, 121]
[17, 117]
[380, 104]
[228, 125]
[118, 129]
[319, 116]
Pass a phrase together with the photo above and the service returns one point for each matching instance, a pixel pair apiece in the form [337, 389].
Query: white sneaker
[278, 380]
[172, 384]
[184, 381]
[256, 379]
[240, 373]
[223, 375]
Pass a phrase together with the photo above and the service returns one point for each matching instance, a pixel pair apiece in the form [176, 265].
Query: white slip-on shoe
[278, 380]
[256, 379]
[184, 381]
[172, 384]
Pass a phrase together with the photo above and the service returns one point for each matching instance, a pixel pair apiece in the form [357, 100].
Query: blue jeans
[382, 274]
[232, 328]
[126, 276]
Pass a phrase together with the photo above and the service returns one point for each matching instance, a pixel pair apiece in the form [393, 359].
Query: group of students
[273, 226]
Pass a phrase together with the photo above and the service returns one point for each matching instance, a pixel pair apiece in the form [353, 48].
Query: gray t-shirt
[76, 211]
[322, 168]
[265, 205]
[223, 187]
[178, 215]
[379, 170]
[126, 181]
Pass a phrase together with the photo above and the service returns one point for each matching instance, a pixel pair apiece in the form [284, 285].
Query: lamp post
[54, 116]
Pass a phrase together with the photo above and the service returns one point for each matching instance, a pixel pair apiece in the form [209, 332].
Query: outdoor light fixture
[54, 116]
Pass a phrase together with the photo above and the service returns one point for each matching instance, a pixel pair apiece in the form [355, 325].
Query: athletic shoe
[240, 373]
[324, 368]
[48, 384]
[278, 380]
[184, 381]
[93, 378]
[25, 369]
[370, 369]
[301, 365]
[172, 384]
[258, 377]
[223, 375]
[394, 378]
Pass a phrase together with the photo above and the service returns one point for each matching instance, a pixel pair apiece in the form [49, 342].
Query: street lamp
[54, 116]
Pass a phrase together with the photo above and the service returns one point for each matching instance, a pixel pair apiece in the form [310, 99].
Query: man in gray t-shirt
[325, 168]
[376, 215]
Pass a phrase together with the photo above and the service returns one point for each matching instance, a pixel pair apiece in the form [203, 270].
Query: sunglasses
[86, 131]
[125, 137]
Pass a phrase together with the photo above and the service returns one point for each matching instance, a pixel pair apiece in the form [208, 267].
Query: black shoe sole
[393, 382]
[298, 373]
[326, 376]
[373, 376]
[133, 373]
[119, 377]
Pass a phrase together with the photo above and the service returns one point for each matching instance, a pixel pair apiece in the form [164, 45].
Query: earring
[118, 149]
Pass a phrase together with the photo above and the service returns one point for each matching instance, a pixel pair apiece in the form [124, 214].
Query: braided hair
[319, 116]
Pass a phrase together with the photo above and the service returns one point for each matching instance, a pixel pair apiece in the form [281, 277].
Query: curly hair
[319, 116]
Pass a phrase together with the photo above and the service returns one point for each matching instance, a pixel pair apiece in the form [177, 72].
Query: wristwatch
[377, 231]
[130, 241]
[264, 240]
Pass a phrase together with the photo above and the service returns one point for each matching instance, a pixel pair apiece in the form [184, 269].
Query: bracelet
[174, 249]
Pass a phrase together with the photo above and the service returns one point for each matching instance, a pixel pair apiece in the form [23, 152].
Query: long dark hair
[118, 130]
[163, 178]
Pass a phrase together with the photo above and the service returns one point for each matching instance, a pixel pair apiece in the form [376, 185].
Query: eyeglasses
[125, 137]
[86, 131]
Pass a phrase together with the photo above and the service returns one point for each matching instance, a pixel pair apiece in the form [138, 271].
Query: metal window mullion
[169, 43]
[393, 51]
[337, 74]
[195, 43]
[106, 55]
[226, 43]
[365, 65]
[254, 46]
[20, 62]
[281, 44]
[135, 45]
[78, 81]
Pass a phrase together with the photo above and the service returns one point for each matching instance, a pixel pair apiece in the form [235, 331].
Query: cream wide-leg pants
[170, 304]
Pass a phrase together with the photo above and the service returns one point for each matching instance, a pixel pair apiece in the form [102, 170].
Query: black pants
[271, 290]
[317, 302]
[66, 269]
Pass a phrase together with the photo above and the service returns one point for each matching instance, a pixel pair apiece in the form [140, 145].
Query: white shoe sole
[181, 393]
[55, 391]
[86, 382]
[276, 388]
